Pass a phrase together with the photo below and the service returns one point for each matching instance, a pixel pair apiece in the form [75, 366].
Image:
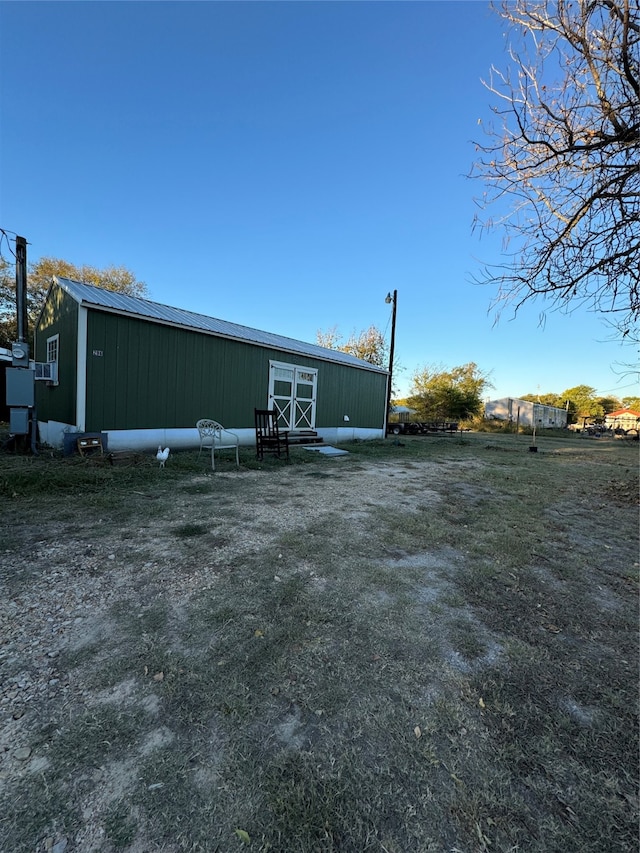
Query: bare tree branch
[561, 164]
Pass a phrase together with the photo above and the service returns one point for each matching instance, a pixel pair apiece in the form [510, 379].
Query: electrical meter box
[20, 387]
[20, 354]
[19, 421]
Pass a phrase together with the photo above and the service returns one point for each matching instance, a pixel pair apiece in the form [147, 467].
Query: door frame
[293, 412]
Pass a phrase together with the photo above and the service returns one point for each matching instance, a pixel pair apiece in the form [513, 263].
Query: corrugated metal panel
[96, 297]
[142, 374]
[341, 392]
[59, 316]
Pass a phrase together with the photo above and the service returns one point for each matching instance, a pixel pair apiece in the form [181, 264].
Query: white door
[292, 394]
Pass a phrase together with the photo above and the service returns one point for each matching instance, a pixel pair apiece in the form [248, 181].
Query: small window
[53, 354]
[52, 348]
[283, 373]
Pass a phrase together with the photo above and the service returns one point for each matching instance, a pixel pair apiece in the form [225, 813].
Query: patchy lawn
[427, 645]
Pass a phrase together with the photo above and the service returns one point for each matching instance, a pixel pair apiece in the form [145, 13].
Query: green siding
[150, 375]
[357, 393]
[59, 317]
[146, 375]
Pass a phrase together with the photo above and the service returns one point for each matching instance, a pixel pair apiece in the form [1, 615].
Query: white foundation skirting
[53, 434]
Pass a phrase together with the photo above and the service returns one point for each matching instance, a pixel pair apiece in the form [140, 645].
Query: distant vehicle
[422, 427]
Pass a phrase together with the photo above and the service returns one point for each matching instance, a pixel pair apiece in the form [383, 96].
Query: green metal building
[145, 373]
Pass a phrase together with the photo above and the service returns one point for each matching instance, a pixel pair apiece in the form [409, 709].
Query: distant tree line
[582, 402]
[458, 393]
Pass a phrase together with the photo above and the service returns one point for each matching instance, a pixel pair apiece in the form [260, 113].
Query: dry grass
[424, 646]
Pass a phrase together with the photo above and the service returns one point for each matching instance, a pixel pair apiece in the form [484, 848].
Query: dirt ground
[165, 649]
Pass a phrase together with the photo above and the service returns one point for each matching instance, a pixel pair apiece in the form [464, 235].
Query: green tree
[369, 345]
[438, 393]
[39, 275]
[609, 404]
[551, 399]
[560, 162]
[631, 403]
[583, 402]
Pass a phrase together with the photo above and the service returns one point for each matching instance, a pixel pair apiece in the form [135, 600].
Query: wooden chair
[269, 437]
[214, 435]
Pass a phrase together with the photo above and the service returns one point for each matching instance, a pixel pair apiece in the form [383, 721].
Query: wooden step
[304, 436]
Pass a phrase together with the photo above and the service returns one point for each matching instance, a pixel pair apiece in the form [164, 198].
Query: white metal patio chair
[214, 435]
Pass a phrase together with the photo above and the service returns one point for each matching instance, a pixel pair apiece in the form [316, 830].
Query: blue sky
[283, 165]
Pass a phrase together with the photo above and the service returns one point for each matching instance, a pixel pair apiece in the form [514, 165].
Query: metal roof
[109, 300]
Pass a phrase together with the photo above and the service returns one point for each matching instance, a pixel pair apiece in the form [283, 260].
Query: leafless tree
[369, 345]
[561, 158]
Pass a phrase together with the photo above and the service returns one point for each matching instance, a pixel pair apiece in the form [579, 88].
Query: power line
[619, 388]
[4, 238]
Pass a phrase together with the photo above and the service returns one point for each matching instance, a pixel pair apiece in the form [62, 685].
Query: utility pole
[20, 379]
[21, 291]
[394, 301]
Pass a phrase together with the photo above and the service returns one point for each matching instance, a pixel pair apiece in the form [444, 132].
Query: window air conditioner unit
[47, 370]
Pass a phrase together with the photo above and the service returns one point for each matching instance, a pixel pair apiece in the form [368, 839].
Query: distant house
[622, 419]
[145, 373]
[401, 413]
[525, 413]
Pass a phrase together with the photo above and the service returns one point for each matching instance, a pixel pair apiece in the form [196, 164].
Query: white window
[52, 348]
[53, 354]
